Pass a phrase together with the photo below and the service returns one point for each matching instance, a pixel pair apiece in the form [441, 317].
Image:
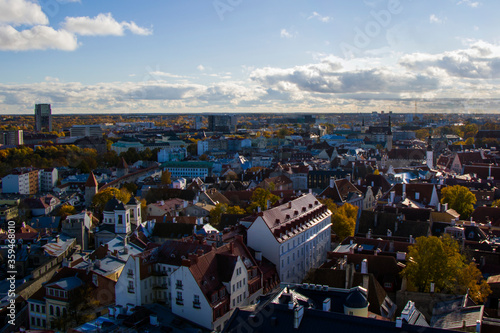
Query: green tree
[439, 261]
[259, 199]
[222, 208]
[459, 198]
[496, 203]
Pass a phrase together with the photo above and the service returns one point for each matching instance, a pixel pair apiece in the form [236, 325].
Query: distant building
[12, 138]
[86, 130]
[188, 169]
[222, 123]
[43, 118]
[48, 179]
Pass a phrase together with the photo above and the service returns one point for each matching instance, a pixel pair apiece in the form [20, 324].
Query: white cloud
[470, 3]
[287, 34]
[434, 19]
[37, 38]
[319, 17]
[201, 68]
[18, 12]
[102, 25]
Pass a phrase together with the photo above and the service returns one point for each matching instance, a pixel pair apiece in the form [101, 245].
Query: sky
[231, 56]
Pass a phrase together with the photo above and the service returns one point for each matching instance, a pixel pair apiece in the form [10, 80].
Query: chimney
[399, 322]
[478, 322]
[392, 197]
[193, 258]
[298, 314]
[404, 191]
[332, 182]
[327, 304]
[366, 281]
[364, 267]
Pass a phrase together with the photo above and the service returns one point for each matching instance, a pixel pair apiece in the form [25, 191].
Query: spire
[363, 122]
[91, 181]
[390, 127]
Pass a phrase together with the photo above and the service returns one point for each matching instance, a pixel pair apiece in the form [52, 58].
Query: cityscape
[236, 166]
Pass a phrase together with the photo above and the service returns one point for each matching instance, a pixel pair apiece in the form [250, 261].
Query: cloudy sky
[175, 56]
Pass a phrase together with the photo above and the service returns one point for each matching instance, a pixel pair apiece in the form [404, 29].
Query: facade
[78, 226]
[12, 138]
[222, 123]
[86, 130]
[188, 169]
[48, 179]
[294, 236]
[43, 118]
[21, 182]
[199, 282]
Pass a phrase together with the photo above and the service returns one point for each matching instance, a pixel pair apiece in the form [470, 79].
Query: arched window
[58, 311]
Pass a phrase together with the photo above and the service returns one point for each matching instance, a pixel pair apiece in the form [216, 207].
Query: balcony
[196, 305]
[130, 274]
[131, 290]
[179, 301]
[160, 286]
[178, 286]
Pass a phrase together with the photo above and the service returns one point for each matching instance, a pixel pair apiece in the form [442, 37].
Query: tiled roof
[91, 181]
[291, 217]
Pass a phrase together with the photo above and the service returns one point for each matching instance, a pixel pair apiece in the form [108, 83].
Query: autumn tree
[65, 211]
[260, 197]
[166, 177]
[496, 203]
[459, 198]
[343, 218]
[439, 261]
[222, 208]
[101, 198]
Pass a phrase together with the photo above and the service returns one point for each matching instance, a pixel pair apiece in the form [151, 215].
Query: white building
[118, 219]
[201, 283]
[294, 236]
[23, 182]
[48, 179]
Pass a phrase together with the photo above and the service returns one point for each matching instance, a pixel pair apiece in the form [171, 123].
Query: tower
[91, 188]
[389, 136]
[122, 219]
[43, 118]
[134, 207]
[121, 168]
[430, 154]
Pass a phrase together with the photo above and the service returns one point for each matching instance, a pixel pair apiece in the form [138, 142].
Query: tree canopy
[343, 218]
[101, 198]
[439, 261]
[222, 208]
[459, 198]
[259, 199]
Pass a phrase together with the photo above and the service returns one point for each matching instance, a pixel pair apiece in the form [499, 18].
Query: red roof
[91, 181]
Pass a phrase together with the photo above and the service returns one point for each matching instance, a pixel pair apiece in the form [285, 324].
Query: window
[44, 323]
[120, 219]
[33, 321]
[43, 308]
[51, 310]
[37, 308]
[196, 302]
[179, 300]
[58, 311]
[37, 321]
[32, 307]
[178, 284]
[131, 287]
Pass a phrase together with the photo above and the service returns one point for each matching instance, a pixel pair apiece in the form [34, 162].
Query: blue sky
[124, 56]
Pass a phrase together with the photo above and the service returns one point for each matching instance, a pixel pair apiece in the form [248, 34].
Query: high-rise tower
[43, 118]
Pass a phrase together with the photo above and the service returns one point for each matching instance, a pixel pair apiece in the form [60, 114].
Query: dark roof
[356, 299]
[111, 205]
[172, 230]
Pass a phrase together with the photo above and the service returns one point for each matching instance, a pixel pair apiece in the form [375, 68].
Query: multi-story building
[24, 181]
[294, 236]
[201, 283]
[222, 123]
[48, 179]
[43, 118]
[78, 226]
[188, 169]
[86, 130]
[12, 138]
